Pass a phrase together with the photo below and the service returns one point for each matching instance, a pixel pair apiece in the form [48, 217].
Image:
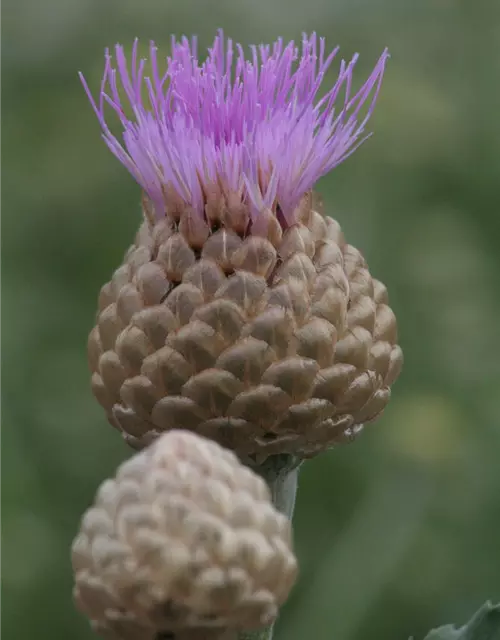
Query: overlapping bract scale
[271, 345]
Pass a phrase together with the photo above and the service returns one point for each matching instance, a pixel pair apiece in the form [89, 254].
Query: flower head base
[252, 133]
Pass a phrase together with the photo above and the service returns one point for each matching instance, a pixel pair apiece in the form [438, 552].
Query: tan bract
[267, 342]
[183, 544]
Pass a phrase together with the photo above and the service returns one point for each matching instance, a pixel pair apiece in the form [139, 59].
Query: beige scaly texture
[184, 544]
[267, 340]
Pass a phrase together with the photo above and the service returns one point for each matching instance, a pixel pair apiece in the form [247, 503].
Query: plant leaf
[484, 625]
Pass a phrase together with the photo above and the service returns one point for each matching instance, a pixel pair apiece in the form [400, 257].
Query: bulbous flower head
[183, 544]
[252, 130]
[240, 312]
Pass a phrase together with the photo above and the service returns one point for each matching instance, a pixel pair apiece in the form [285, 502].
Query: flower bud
[184, 544]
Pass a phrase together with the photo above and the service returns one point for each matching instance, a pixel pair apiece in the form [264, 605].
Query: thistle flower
[240, 312]
[184, 543]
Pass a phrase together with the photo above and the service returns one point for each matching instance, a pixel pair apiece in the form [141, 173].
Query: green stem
[281, 474]
[264, 634]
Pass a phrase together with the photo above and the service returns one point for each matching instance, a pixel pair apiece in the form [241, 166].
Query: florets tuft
[252, 132]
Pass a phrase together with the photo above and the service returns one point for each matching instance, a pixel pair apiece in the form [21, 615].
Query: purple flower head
[253, 129]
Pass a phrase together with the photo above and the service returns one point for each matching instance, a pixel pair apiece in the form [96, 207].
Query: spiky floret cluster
[240, 312]
[250, 130]
[183, 544]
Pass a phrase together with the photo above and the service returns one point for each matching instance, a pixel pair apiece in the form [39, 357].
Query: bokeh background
[396, 533]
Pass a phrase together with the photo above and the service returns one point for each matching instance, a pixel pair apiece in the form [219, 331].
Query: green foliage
[484, 625]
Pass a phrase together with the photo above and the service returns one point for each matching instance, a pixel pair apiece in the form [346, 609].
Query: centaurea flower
[240, 312]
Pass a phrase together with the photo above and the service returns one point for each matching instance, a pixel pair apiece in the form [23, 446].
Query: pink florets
[253, 127]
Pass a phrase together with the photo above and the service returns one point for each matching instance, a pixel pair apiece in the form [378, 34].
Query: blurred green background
[396, 533]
